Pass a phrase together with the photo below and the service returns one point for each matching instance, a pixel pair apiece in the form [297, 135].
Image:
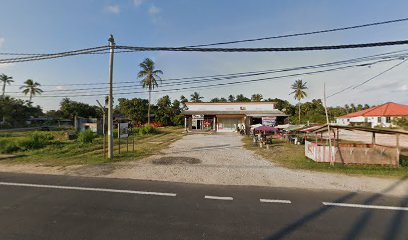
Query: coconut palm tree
[6, 80]
[150, 77]
[256, 97]
[195, 97]
[298, 90]
[31, 88]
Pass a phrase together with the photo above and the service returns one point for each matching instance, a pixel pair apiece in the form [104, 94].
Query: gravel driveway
[221, 159]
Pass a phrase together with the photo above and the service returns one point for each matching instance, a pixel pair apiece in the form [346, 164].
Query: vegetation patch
[293, 156]
[52, 149]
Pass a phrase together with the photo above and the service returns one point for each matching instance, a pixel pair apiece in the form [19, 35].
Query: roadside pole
[110, 102]
[103, 127]
[328, 127]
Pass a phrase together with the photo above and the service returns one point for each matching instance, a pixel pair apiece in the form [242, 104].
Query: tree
[135, 109]
[183, 101]
[231, 98]
[6, 81]
[298, 90]
[256, 97]
[241, 98]
[150, 77]
[215, 100]
[195, 97]
[31, 88]
[164, 112]
[223, 100]
[15, 112]
[69, 109]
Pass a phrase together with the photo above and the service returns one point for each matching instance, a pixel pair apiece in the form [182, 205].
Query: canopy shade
[266, 129]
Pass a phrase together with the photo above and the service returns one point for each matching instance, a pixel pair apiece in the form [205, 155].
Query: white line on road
[86, 189]
[219, 198]
[365, 206]
[274, 201]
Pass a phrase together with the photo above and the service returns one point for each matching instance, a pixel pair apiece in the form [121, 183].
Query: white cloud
[2, 40]
[137, 3]
[115, 9]
[4, 66]
[153, 10]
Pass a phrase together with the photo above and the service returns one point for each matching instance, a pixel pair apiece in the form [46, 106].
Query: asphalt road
[61, 207]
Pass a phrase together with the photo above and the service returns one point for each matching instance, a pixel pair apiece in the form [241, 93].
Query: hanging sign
[123, 130]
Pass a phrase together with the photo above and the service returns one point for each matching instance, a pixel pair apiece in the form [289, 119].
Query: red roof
[385, 110]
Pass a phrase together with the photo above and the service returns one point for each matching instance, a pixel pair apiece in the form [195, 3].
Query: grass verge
[293, 156]
[62, 152]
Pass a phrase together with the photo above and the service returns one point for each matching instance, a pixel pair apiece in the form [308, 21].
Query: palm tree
[195, 97]
[298, 92]
[6, 80]
[31, 88]
[150, 77]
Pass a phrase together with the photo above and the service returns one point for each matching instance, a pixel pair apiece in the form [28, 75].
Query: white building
[382, 115]
[227, 117]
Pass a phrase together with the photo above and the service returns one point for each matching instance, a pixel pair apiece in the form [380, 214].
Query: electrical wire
[352, 87]
[301, 34]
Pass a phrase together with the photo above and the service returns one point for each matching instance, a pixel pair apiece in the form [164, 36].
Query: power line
[276, 49]
[230, 76]
[211, 85]
[388, 55]
[301, 34]
[370, 79]
[184, 49]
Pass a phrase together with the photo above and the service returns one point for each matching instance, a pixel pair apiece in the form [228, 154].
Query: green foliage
[401, 122]
[35, 141]
[135, 109]
[8, 147]
[16, 111]
[69, 109]
[196, 97]
[241, 98]
[146, 130]
[86, 136]
[178, 120]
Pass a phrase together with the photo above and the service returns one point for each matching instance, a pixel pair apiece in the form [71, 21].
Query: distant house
[226, 117]
[382, 115]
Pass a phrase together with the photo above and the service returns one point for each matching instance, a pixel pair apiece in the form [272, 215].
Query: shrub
[86, 136]
[9, 147]
[35, 141]
[145, 130]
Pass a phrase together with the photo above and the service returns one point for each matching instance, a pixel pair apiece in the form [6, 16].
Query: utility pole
[103, 127]
[328, 127]
[110, 102]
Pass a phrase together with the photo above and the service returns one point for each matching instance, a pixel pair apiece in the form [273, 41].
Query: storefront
[228, 117]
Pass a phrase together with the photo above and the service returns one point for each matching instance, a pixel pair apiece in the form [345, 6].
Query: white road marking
[274, 201]
[219, 198]
[86, 189]
[365, 206]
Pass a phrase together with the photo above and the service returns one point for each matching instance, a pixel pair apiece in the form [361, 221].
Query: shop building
[227, 117]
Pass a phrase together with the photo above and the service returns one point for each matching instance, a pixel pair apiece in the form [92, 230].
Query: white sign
[123, 130]
[269, 121]
[198, 117]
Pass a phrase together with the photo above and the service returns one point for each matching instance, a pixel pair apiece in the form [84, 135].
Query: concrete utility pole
[328, 128]
[110, 102]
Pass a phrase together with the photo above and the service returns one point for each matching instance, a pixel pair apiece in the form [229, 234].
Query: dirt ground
[221, 159]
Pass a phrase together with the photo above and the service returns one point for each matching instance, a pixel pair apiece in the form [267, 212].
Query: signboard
[198, 117]
[269, 121]
[123, 130]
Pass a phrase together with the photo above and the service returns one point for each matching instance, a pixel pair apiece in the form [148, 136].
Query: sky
[43, 26]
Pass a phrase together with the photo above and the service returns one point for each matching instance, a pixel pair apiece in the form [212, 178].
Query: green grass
[293, 156]
[63, 152]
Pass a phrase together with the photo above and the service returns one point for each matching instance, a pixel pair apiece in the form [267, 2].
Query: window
[379, 119]
[388, 119]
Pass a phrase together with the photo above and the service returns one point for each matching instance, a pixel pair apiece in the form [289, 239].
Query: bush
[9, 147]
[35, 141]
[145, 130]
[86, 136]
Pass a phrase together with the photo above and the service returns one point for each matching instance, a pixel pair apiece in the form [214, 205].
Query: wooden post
[133, 140]
[127, 143]
[373, 138]
[397, 136]
[119, 136]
